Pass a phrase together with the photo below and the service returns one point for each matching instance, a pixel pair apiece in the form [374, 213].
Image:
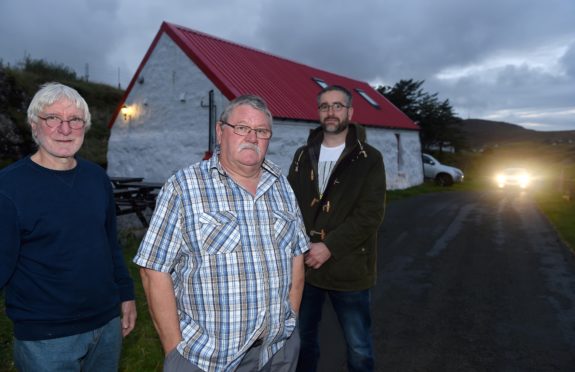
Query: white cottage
[167, 116]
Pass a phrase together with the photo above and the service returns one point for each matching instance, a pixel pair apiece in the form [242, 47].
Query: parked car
[513, 177]
[444, 175]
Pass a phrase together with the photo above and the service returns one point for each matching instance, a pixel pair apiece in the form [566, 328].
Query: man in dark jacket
[339, 181]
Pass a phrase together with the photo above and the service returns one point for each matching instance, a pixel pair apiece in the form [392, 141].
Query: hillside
[18, 85]
[496, 145]
[484, 133]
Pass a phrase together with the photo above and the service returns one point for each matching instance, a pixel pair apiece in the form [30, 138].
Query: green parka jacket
[348, 214]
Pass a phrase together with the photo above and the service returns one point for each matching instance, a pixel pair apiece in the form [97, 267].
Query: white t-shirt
[327, 158]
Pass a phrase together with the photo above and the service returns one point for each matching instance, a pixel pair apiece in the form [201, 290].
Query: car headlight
[524, 180]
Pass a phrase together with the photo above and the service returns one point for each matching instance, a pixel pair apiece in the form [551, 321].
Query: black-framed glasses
[336, 107]
[244, 130]
[53, 121]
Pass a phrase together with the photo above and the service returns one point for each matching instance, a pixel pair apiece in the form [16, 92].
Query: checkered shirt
[230, 258]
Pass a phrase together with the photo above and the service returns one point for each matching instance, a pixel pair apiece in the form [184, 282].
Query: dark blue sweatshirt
[60, 262]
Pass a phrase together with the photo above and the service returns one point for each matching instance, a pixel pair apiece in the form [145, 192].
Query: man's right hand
[317, 255]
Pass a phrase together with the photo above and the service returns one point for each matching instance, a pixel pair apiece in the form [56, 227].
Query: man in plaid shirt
[222, 260]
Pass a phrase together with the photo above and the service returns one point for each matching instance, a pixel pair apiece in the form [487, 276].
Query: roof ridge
[270, 54]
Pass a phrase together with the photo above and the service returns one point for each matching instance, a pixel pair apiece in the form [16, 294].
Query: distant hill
[484, 133]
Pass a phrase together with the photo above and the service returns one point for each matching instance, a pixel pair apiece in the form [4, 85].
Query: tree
[439, 125]
[15, 138]
[406, 95]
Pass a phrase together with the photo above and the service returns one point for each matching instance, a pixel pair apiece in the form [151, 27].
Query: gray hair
[49, 94]
[336, 88]
[255, 102]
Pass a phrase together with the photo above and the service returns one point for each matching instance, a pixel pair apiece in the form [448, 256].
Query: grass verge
[142, 350]
[561, 212]
[430, 186]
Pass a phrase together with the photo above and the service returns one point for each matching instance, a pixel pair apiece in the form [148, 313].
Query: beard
[334, 128]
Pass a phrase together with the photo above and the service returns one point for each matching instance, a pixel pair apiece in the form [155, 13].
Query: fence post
[566, 186]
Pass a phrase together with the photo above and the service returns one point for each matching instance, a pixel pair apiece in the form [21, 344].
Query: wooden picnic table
[147, 191]
[143, 185]
[125, 192]
[120, 181]
[132, 195]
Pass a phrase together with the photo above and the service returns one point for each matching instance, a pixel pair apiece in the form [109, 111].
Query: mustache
[337, 120]
[249, 146]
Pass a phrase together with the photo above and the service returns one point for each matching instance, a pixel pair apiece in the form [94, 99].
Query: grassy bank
[142, 350]
[561, 213]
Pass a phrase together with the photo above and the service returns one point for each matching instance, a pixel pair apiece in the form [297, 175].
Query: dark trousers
[285, 360]
[353, 313]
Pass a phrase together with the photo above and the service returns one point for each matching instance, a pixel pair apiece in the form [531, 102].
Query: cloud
[486, 57]
[568, 61]
[500, 54]
[75, 33]
[515, 88]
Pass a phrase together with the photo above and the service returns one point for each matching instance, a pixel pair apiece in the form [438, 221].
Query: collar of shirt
[271, 172]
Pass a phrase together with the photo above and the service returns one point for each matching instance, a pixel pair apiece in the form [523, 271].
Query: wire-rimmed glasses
[244, 130]
[336, 107]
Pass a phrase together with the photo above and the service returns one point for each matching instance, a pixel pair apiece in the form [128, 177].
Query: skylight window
[320, 82]
[365, 96]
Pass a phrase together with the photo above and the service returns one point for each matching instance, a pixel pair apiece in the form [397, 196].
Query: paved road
[469, 281]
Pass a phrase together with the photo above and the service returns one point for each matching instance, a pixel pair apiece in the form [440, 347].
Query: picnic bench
[133, 195]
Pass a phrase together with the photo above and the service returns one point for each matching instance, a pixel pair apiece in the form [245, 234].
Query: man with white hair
[63, 271]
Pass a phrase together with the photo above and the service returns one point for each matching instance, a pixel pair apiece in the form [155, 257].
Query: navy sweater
[60, 262]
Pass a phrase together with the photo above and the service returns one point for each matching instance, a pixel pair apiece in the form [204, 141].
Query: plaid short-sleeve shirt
[230, 257]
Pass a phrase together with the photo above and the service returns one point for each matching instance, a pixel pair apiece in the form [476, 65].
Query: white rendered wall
[169, 128]
[289, 135]
[401, 150]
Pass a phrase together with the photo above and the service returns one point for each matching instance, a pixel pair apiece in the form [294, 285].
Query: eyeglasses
[336, 107]
[53, 121]
[244, 130]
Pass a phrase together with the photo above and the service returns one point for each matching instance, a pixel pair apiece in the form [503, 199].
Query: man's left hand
[129, 315]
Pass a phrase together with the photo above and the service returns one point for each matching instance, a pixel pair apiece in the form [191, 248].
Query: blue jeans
[97, 350]
[353, 312]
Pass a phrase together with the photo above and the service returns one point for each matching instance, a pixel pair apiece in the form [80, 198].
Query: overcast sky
[504, 60]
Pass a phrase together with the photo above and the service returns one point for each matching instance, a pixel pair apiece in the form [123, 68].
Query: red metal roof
[287, 86]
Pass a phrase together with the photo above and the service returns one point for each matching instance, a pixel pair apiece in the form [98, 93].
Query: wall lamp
[126, 112]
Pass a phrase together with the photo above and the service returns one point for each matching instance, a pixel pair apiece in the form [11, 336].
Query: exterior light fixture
[125, 112]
